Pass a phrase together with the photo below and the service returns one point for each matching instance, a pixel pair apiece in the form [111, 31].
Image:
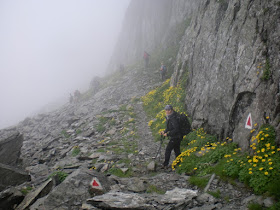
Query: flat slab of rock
[119, 200]
[11, 176]
[10, 145]
[31, 197]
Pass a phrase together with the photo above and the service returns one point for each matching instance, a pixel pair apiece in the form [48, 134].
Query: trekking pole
[159, 149]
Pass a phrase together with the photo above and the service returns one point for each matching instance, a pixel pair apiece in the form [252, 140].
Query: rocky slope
[95, 138]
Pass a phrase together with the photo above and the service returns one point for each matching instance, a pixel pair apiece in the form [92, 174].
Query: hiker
[173, 132]
[146, 57]
[163, 70]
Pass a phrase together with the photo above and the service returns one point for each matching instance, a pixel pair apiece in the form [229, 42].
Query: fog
[50, 48]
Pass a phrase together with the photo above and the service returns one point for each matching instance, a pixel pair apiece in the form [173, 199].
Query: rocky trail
[94, 139]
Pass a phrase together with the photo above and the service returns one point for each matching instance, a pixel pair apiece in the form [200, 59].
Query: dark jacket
[172, 126]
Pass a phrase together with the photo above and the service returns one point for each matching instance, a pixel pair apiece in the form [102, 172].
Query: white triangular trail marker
[249, 123]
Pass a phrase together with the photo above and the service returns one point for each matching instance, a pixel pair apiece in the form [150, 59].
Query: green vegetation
[26, 190]
[155, 189]
[78, 131]
[276, 206]
[101, 150]
[216, 194]
[199, 181]
[267, 72]
[254, 206]
[156, 99]
[60, 174]
[65, 134]
[118, 172]
[135, 100]
[75, 151]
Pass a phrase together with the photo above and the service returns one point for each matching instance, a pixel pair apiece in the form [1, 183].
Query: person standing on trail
[146, 57]
[163, 70]
[173, 132]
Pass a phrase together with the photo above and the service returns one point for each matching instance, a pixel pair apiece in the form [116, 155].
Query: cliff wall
[231, 51]
[148, 25]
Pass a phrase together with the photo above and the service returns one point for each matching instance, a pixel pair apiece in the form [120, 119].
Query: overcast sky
[49, 48]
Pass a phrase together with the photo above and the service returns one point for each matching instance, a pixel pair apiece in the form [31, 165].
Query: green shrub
[254, 206]
[199, 181]
[119, 173]
[267, 72]
[76, 150]
[216, 194]
[26, 190]
[60, 174]
[261, 169]
[276, 206]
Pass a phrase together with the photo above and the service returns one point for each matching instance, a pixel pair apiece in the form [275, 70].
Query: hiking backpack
[184, 123]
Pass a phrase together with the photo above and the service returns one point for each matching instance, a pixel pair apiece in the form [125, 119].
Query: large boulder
[73, 191]
[11, 176]
[10, 145]
[9, 198]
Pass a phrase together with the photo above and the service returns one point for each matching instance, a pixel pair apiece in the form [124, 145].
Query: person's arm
[175, 127]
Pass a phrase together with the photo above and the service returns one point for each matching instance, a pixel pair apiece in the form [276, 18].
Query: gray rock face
[11, 176]
[10, 197]
[226, 50]
[10, 145]
[145, 30]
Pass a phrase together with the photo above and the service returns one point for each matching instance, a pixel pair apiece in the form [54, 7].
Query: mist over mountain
[103, 149]
[49, 49]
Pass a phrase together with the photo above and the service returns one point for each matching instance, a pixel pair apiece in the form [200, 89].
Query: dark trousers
[173, 144]
[162, 73]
